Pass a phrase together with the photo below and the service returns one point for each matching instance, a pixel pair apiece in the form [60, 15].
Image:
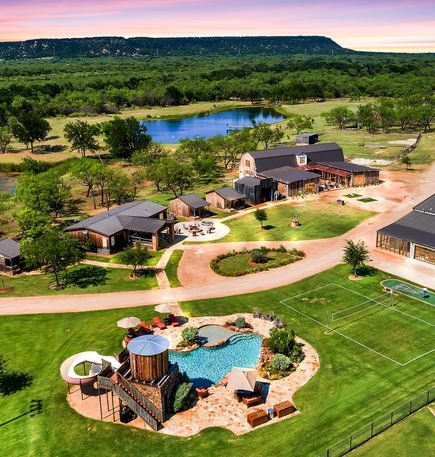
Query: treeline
[407, 113]
[107, 86]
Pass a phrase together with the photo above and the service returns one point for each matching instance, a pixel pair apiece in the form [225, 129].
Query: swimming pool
[207, 366]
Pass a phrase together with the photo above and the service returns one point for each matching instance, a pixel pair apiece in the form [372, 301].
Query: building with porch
[225, 198]
[307, 138]
[413, 235]
[323, 159]
[143, 222]
[190, 205]
[10, 260]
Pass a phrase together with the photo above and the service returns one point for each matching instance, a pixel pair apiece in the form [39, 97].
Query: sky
[373, 25]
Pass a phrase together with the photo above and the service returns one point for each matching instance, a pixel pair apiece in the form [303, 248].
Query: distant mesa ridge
[146, 47]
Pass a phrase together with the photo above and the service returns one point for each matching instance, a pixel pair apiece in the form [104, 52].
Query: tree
[29, 127]
[175, 175]
[85, 171]
[406, 160]
[231, 147]
[52, 253]
[264, 133]
[339, 116]
[298, 123]
[82, 136]
[147, 157]
[5, 138]
[6, 204]
[366, 116]
[33, 223]
[124, 137]
[29, 165]
[136, 257]
[355, 254]
[44, 192]
[261, 216]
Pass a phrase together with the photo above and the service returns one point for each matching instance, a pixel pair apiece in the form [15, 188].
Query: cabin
[10, 260]
[307, 138]
[324, 159]
[143, 222]
[413, 235]
[225, 198]
[292, 181]
[256, 189]
[190, 205]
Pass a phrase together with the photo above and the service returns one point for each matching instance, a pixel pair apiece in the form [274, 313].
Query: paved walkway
[402, 191]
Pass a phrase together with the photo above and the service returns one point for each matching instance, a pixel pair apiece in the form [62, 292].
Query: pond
[206, 366]
[7, 183]
[206, 126]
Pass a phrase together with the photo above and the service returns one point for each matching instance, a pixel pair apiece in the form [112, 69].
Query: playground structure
[92, 358]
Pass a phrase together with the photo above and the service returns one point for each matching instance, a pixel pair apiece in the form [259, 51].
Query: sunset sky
[378, 25]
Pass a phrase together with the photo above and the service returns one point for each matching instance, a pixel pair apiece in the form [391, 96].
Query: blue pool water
[207, 366]
[206, 126]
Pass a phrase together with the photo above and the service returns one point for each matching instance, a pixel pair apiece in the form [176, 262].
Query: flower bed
[239, 263]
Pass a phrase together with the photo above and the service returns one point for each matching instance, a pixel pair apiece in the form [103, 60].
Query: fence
[409, 149]
[381, 424]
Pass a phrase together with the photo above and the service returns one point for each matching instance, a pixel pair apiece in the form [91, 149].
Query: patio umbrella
[128, 322]
[242, 379]
[165, 308]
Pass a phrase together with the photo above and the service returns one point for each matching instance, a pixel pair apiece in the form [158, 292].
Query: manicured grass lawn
[352, 386]
[352, 195]
[117, 280]
[172, 268]
[408, 438]
[152, 261]
[318, 220]
[241, 263]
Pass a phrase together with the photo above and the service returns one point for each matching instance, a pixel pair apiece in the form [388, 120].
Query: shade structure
[128, 322]
[165, 308]
[148, 345]
[242, 379]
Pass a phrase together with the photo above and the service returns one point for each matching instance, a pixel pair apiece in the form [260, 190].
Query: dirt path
[200, 282]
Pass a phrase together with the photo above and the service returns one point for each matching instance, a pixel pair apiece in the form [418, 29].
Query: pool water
[207, 366]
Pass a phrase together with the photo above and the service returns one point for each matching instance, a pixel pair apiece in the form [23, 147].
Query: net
[361, 308]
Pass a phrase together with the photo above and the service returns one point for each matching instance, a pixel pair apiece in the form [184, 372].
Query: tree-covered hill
[141, 47]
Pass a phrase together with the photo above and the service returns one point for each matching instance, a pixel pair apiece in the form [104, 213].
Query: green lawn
[241, 263]
[318, 220]
[352, 386]
[172, 268]
[117, 280]
[367, 200]
[408, 438]
[152, 261]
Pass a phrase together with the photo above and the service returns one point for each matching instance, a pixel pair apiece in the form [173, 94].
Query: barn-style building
[190, 205]
[143, 222]
[225, 198]
[10, 260]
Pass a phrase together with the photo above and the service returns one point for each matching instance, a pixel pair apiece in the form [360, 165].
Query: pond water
[207, 126]
[206, 366]
[7, 183]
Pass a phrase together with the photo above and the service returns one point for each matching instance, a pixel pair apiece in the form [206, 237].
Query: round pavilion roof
[148, 345]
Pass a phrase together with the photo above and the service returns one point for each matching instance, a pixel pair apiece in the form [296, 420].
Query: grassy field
[152, 261]
[116, 280]
[318, 219]
[172, 268]
[352, 386]
[409, 437]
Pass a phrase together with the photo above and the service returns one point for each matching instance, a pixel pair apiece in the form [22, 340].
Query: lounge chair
[173, 320]
[202, 392]
[145, 328]
[159, 323]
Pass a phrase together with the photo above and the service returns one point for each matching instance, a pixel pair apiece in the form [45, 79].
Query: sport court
[398, 327]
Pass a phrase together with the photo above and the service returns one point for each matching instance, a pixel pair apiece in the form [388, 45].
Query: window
[301, 159]
[112, 241]
[247, 163]
[104, 242]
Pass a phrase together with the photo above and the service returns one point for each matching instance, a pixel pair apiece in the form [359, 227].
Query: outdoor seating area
[205, 230]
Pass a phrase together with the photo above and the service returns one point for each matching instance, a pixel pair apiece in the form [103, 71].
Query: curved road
[200, 282]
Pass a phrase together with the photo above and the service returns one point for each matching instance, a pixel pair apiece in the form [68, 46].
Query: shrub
[282, 341]
[281, 363]
[365, 270]
[258, 256]
[189, 335]
[182, 393]
[240, 322]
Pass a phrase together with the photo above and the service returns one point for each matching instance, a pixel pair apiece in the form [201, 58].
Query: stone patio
[220, 409]
[220, 230]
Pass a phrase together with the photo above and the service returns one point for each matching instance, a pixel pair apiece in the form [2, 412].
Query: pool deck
[220, 409]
